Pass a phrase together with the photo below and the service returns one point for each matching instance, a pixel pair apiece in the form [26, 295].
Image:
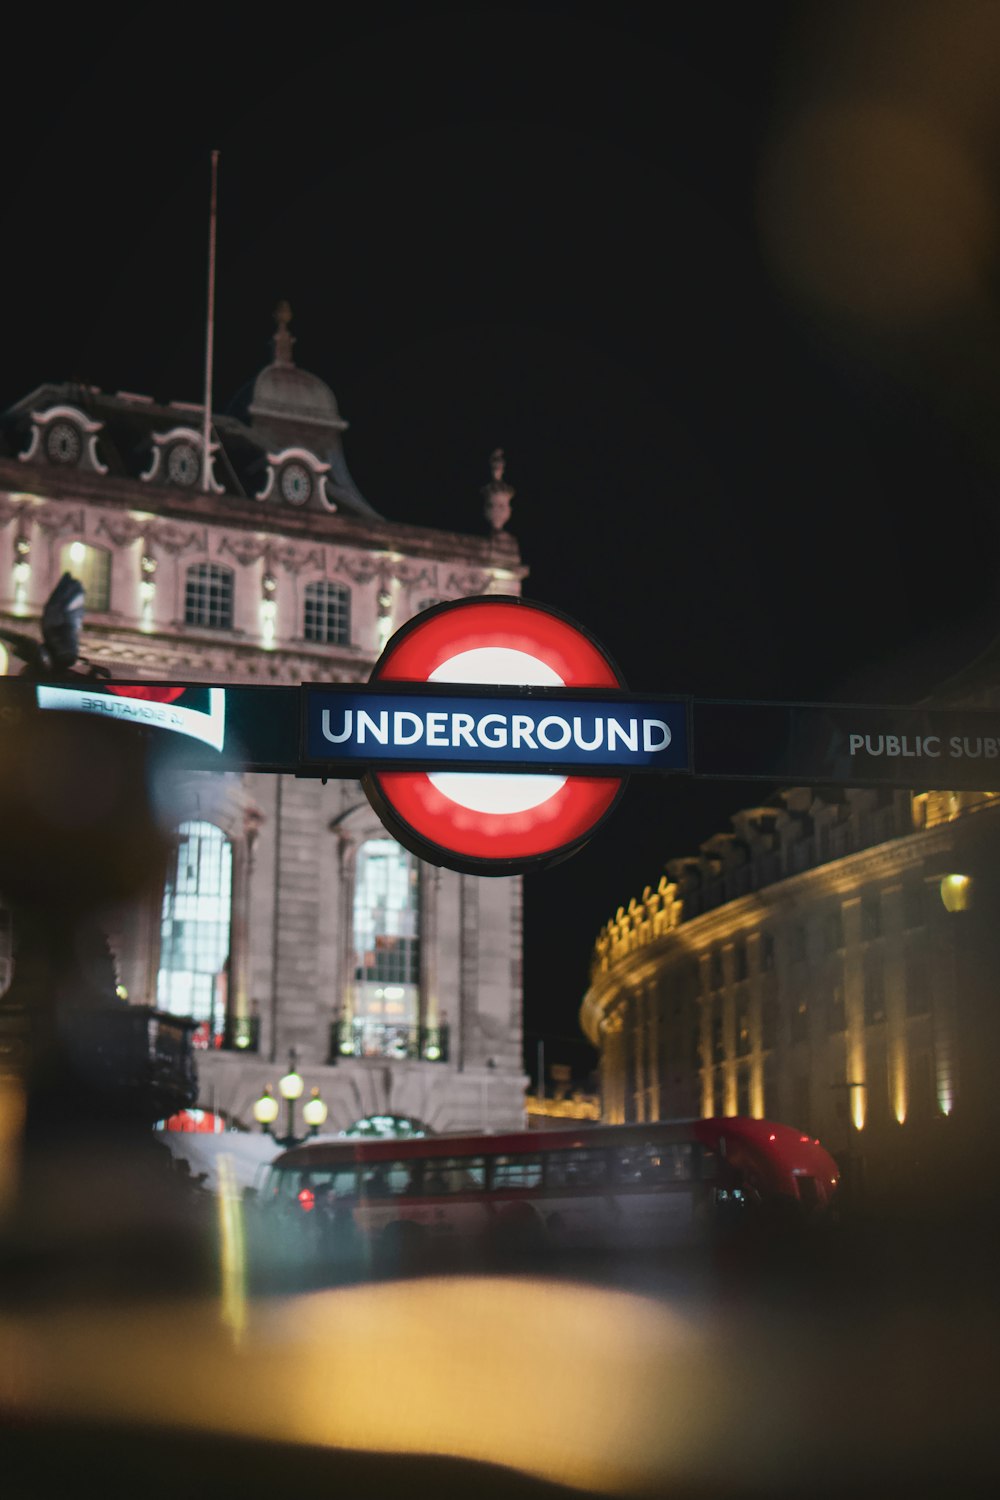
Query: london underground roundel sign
[494, 822]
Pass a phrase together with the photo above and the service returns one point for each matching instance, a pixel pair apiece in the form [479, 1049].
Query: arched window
[91, 566]
[327, 613]
[208, 596]
[386, 948]
[195, 925]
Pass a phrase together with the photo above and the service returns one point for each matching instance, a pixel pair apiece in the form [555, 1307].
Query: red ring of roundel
[559, 824]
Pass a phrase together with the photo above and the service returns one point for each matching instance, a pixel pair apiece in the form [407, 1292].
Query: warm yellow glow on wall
[956, 892]
[899, 1091]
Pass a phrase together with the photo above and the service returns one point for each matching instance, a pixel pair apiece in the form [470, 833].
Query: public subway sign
[925, 749]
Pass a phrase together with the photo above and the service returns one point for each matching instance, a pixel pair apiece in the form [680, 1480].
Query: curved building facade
[831, 963]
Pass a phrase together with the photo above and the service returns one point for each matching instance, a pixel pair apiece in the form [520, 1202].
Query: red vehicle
[618, 1187]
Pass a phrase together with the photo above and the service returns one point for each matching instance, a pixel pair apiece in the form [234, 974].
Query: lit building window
[195, 927]
[208, 596]
[90, 566]
[386, 935]
[327, 613]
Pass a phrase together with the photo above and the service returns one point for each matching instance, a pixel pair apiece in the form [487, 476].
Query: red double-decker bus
[618, 1187]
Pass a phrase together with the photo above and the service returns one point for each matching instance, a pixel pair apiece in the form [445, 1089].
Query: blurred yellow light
[956, 892]
[291, 1086]
[4, 660]
[77, 553]
[314, 1112]
[265, 1111]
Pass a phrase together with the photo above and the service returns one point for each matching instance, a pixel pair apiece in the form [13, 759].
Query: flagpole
[206, 460]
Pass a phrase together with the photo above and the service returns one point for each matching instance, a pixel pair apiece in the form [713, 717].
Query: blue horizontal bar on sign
[538, 731]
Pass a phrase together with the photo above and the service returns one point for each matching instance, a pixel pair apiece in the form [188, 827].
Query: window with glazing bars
[195, 925]
[327, 613]
[208, 596]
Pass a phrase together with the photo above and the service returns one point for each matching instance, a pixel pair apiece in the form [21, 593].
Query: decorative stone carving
[178, 460]
[297, 477]
[55, 520]
[472, 581]
[356, 569]
[177, 540]
[498, 494]
[294, 559]
[66, 438]
[245, 549]
[122, 531]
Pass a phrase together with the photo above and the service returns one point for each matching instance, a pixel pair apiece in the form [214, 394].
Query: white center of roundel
[495, 666]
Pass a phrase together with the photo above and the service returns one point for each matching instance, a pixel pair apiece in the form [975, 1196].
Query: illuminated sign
[498, 821]
[495, 735]
[150, 708]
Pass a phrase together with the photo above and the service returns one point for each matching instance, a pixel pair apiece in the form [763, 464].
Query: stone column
[707, 1050]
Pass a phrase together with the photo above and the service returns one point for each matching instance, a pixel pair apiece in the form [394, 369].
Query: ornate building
[289, 919]
[831, 963]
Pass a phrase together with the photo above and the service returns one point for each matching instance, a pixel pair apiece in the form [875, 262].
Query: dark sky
[721, 279]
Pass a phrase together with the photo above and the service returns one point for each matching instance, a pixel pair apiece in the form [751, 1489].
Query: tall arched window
[195, 926]
[91, 566]
[208, 596]
[386, 947]
[327, 617]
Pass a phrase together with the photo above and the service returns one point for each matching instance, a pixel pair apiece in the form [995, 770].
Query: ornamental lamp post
[290, 1088]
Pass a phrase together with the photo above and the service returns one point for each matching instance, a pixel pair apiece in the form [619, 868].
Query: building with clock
[289, 923]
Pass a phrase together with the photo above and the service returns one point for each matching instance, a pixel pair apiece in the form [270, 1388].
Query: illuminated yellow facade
[830, 963]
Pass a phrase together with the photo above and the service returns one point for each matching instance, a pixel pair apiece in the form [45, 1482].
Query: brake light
[771, 1137]
[307, 1200]
[805, 1140]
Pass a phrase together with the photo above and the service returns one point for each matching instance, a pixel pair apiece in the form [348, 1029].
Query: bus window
[388, 1179]
[454, 1174]
[515, 1173]
[654, 1163]
[576, 1169]
[709, 1165]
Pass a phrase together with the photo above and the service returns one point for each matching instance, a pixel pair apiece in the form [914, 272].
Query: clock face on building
[183, 465]
[296, 483]
[63, 443]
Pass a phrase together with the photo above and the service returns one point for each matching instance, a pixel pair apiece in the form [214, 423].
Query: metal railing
[388, 1040]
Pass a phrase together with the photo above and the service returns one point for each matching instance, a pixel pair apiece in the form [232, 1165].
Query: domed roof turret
[284, 393]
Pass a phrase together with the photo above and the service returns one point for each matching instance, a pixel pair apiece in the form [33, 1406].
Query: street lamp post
[290, 1087]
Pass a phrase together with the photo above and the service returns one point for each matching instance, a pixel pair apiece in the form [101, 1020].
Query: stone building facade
[830, 963]
[289, 920]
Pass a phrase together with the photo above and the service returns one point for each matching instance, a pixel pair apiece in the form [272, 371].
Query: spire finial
[498, 493]
[283, 340]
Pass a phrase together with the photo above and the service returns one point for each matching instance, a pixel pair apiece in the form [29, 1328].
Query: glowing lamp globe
[291, 1085]
[265, 1111]
[314, 1112]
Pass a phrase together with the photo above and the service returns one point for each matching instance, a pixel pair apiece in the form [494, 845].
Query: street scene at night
[500, 751]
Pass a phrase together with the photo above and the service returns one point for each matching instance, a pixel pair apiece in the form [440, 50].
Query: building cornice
[645, 955]
[24, 481]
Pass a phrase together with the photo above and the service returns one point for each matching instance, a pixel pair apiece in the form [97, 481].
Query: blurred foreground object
[59, 650]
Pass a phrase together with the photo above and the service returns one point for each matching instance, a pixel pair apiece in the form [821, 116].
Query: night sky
[721, 279]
